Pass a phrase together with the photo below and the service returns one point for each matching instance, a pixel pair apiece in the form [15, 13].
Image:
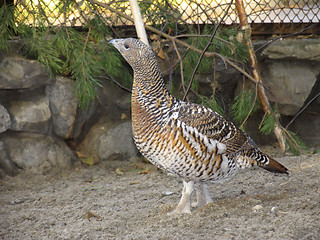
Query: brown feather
[274, 166]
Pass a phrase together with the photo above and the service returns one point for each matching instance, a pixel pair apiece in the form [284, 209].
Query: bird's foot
[203, 195]
[184, 205]
[180, 210]
[201, 203]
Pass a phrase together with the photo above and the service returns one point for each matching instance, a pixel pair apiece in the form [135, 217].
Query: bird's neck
[149, 90]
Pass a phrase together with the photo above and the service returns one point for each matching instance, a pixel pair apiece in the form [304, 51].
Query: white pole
[141, 31]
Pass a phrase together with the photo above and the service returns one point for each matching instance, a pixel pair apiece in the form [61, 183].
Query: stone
[5, 120]
[113, 100]
[5, 162]
[36, 152]
[84, 120]
[63, 106]
[289, 82]
[303, 49]
[307, 126]
[20, 73]
[107, 139]
[31, 113]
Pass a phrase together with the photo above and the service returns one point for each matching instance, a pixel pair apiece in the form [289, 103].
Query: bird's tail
[254, 157]
[274, 166]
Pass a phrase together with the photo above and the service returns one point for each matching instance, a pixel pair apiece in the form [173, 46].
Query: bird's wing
[214, 126]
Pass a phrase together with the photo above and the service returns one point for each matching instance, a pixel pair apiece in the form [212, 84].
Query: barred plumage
[185, 139]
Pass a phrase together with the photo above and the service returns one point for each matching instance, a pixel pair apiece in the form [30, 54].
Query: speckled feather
[185, 139]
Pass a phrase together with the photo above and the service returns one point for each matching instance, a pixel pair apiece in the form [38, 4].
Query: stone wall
[42, 127]
[290, 71]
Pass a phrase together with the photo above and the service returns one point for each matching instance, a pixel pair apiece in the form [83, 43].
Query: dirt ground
[131, 199]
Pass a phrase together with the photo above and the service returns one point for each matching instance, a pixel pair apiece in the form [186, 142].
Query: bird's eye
[126, 46]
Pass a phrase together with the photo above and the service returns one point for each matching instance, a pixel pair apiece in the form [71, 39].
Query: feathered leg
[203, 195]
[184, 205]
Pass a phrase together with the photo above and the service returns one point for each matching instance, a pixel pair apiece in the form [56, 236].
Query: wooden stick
[256, 74]
[141, 31]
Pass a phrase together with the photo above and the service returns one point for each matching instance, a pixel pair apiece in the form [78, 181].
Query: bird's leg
[203, 195]
[184, 205]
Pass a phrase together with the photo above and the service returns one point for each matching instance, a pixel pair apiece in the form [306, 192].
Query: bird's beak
[115, 42]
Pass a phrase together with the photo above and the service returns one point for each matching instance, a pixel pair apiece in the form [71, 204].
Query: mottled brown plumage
[185, 139]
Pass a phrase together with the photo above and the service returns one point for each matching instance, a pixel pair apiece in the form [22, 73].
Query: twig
[294, 118]
[254, 103]
[83, 53]
[215, 80]
[105, 22]
[204, 35]
[283, 36]
[118, 84]
[172, 58]
[177, 41]
[171, 71]
[181, 66]
[256, 74]
[204, 50]
[90, 214]
[290, 139]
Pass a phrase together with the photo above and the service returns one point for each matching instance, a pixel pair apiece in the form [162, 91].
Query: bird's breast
[172, 147]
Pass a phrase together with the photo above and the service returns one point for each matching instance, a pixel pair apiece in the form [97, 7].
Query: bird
[185, 139]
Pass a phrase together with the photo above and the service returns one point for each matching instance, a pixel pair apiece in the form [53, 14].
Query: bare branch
[284, 36]
[117, 83]
[302, 109]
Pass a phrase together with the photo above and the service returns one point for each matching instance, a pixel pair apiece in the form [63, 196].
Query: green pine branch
[7, 25]
[211, 103]
[244, 104]
[293, 143]
[268, 124]
[83, 56]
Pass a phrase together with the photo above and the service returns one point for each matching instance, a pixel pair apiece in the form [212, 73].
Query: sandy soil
[130, 200]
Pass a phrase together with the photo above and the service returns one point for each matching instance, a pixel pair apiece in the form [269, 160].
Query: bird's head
[135, 52]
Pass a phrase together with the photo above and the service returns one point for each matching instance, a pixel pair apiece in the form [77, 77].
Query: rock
[5, 121]
[289, 83]
[84, 120]
[274, 209]
[107, 139]
[307, 126]
[20, 73]
[30, 114]
[303, 49]
[257, 207]
[5, 163]
[290, 69]
[37, 152]
[113, 100]
[63, 106]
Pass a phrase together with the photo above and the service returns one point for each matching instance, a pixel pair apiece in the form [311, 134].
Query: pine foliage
[295, 145]
[211, 103]
[83, 56]
[158, 13]
[245, 104]
[7, 25]
[224, 43]
[268, 124]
